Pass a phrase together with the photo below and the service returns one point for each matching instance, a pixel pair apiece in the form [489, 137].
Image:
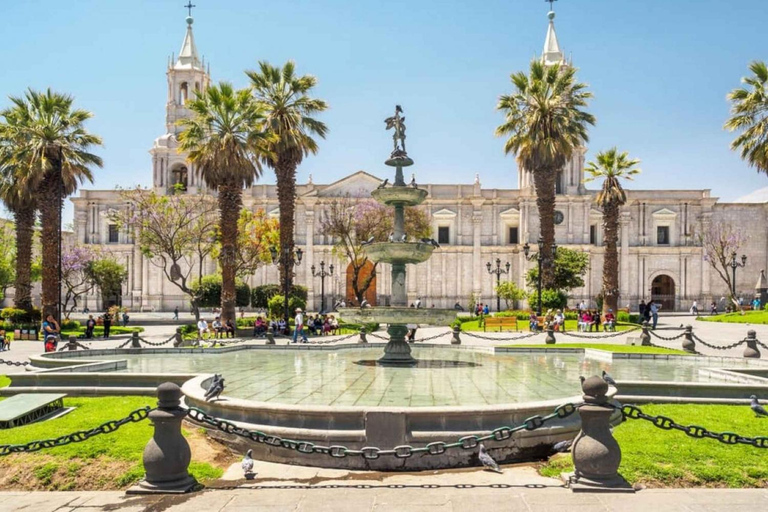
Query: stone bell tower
[187, 75]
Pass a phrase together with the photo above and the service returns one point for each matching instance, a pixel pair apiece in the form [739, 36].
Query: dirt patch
[43, 472]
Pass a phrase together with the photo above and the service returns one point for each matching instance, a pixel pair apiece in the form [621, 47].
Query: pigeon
[369, 241]
[458, 307]
[758, 409]
[214, 382]
[384, 183]
[398, 109]
[364, 304]
[582, 379]
[430, 241]
[607, 378]
[418, 303]
[247, 465]
[215, 391]
[404, 237]
[487, 460]
[562, 446]
[391, 237]
[413, 180]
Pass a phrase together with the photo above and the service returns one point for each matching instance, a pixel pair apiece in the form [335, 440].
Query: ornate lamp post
[322, 275]
[734, 265]
[288, 261]
[497, 271]
[526, 252]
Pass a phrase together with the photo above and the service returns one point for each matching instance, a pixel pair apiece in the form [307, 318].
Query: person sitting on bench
[229, 329]
[533, 322]
[610, 321]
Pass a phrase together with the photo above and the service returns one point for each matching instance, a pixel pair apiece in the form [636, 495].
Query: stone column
[477, 264]
[706, 221]
[624, 286]
[309, 254]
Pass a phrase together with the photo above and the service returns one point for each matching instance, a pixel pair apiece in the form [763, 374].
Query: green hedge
[208, 291]
[261, 294]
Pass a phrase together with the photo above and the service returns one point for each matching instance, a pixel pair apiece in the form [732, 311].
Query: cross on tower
[190, 6]
[551, 4]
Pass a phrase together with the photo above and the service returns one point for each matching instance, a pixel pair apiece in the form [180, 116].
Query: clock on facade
[559, 217]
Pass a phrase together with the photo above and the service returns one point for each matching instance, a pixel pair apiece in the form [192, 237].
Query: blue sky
[659, 71]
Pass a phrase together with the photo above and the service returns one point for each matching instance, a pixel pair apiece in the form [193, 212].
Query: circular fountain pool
[444, 376]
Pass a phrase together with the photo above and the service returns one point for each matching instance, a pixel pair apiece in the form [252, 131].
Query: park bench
[28, 407]
[501, 322]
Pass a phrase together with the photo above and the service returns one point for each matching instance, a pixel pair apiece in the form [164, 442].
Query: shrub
[550, 299]
[277, 303]
[261, 295]
[632, 318]
[208, 291]
[70, 325]
[20, 316]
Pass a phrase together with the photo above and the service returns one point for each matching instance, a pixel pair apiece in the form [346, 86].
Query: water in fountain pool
[446, 377]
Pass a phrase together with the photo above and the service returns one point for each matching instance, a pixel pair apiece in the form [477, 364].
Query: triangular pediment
[512, 213]
[664, 212]
[444, 214]
[359, 184]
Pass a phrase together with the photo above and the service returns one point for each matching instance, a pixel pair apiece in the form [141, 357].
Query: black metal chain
[75, 437]
[597, 336]
[695, 431]
[378, 336]
[14, 363]
[371, 452]
[125, 344]
[430, 338]
[665, 338]
[494, 338]
[761, 344]
[716, 347]
[157, 344]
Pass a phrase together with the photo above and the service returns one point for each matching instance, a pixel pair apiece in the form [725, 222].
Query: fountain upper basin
[399, 252]
[399, 195]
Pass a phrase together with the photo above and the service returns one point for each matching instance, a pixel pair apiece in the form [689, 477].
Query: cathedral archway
[370, 293]
[663, 292]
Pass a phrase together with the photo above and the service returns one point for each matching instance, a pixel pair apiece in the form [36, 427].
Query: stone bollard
[362, 339]
[72, 343]
[752, 350]
[550, 339]
[135, 340]
[167, 455]
[645, 336]
[270, 336]
[456, 339]
[178, 339]
[688, 344]
[596, 454]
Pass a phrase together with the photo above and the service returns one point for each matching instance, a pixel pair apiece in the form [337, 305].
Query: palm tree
[749, 115]
[611, 166]
[545, 122]
[221, 137]
[20, 201]
[52, 141]
[288, 108]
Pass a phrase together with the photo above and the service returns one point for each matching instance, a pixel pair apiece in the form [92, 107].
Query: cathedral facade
[659, 254]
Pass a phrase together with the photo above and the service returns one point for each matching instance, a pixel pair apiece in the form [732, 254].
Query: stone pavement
[279, 488]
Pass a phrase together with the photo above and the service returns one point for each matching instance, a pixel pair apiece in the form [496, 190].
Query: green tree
[51, 139]
[289, 109]
[221, 138]
[550, 299]
[108, 275]
[509, 292]
[20, 200]
[7, 259]
[545, 122]
[749, 116]
[351, 222]
[570, 268]
[611, 166]
[176, 233]
[256, 234]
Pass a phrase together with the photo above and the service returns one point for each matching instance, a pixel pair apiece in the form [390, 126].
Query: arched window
[183, 93]
[180, 177]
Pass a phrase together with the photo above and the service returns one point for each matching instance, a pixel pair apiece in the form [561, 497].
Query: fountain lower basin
[398, 315]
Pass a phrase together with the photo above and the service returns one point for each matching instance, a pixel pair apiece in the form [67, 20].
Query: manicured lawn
[661, 458]
[625, 349]
[98, 331]
[749, 317]
[4, 381]
[111, 461]
[570, 326]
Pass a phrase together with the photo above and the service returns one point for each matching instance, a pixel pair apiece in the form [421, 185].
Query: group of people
[481, 309]
[319, 324]
[5, 342]
[216, 328]
[649, 312]
[592, 319]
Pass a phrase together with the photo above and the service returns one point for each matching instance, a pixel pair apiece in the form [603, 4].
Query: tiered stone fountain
[399, 251]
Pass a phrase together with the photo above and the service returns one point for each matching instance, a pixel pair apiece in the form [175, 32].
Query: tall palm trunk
[544, 181]
[286, 196]
[50, 217]
[24, 217]
[230, 204]
[611, 262]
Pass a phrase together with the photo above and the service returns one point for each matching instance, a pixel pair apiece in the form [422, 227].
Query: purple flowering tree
[75, 275]
[719, 243]
[350, 222]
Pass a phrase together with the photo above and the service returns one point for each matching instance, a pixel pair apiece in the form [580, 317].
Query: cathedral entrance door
[663, 292]
[370, 293]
